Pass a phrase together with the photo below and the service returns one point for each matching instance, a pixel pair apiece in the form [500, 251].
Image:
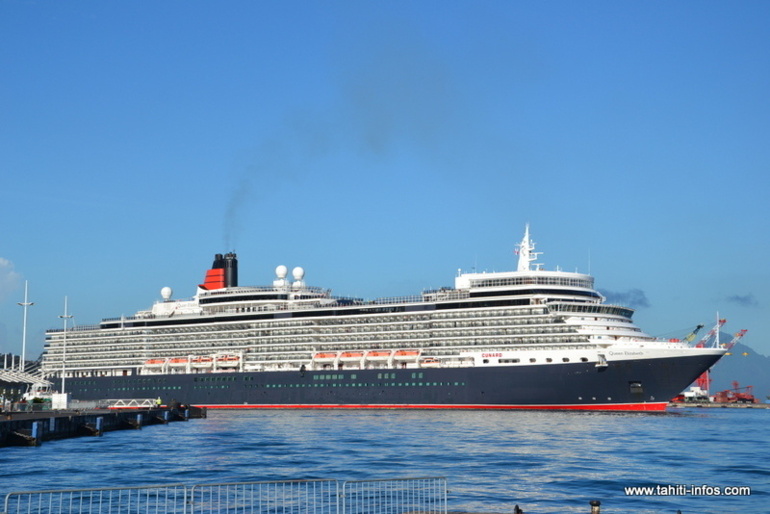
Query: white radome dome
[298, 273]
[166, 293]
[281, 271]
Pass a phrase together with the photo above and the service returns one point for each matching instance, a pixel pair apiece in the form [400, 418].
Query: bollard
[595, 506]
[37, 432]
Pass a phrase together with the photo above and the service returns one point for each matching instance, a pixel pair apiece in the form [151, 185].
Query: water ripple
[543, 461]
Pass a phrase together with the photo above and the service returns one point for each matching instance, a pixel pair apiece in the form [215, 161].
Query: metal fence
[412, 495]
[164, 499]
[298, 496]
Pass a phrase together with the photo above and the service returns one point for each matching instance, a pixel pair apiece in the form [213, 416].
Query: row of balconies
[150, 344]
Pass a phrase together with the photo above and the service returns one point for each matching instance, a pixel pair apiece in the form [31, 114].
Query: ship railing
[423, 495]
[398, 299]
[267, 289]
[352, 302]
[427, 296]
[76, 328]
[328, 301]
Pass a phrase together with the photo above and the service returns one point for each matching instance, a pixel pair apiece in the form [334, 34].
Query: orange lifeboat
[378, 355]
[225, 361]
[202, 362]
[155, 362]
[325, 357]
[351, 356]
[179, 361]
[406, 355]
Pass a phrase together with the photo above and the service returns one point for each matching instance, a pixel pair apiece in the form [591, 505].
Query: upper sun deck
[528, 274]
[515, 279]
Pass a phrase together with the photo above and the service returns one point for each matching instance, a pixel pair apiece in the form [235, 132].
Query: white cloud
[9, 279]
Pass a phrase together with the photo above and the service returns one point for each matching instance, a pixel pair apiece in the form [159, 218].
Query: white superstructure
[526, 317]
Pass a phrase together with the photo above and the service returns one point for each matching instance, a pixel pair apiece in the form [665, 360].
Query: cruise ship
[524, 339]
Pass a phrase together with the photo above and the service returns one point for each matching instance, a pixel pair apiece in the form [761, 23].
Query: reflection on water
[543, 461]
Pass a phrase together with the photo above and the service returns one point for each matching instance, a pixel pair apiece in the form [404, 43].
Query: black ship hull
[633, 385]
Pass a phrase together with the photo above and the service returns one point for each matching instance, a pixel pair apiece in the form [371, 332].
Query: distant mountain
[746, 366]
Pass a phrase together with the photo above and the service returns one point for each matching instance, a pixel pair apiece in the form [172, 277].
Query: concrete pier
[32, 428]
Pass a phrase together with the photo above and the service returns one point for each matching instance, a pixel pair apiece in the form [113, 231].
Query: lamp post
[26, 303]
[65, 317]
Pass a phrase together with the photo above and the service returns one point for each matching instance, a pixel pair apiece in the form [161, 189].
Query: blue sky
[383, 146]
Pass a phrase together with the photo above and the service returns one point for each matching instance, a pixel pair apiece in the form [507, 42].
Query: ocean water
[546, 462]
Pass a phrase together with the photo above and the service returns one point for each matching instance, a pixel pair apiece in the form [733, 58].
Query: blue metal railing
[424, 495]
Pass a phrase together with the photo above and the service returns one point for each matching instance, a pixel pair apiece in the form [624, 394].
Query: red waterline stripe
[636, 407]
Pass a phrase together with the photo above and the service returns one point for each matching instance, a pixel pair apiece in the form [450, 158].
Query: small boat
[224, 361]
[38, 391]
[351, 356]
[378, 355]
[325, 357]
[406, 355]
[430, 362]
[155, 362]
[202, 362]
[179, 361]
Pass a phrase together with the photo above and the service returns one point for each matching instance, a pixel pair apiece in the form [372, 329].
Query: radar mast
[526, 252]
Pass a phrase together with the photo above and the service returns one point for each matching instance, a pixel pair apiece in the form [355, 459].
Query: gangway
[140, 403]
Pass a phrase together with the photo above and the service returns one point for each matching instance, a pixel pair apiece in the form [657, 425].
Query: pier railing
[423, 495]
[170, 499]
[298, 496]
